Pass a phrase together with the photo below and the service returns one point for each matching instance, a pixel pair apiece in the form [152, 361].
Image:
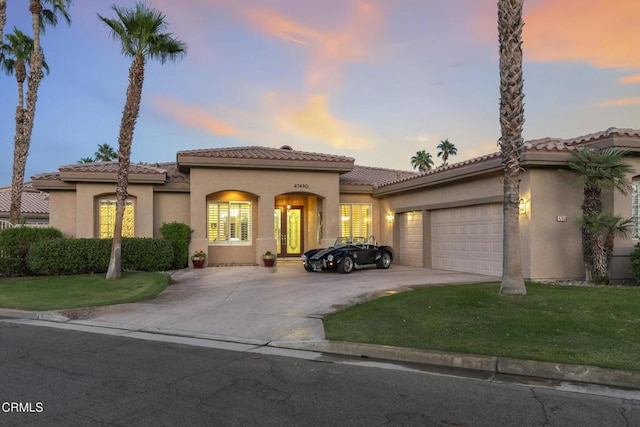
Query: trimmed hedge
[14, 247]
[635, 262]
[77, 256]
[179, 234]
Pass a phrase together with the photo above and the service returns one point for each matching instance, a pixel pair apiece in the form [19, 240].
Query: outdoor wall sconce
[390, 217]
[522, 206]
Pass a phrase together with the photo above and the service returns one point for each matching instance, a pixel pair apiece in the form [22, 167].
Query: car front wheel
[384, 261]
[346, 266]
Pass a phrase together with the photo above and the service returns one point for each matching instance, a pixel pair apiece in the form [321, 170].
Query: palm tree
[597, 171]
[40, 18]
[3, 19]
[140, 33]
[86, 160]
[603, 228]
[511, 144]
[446, 149]
[105, 153]
[422, 160]
[15, 57]
[15, 60]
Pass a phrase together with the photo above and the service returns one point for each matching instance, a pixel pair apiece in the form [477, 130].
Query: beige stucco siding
[170, 207]
[265, 185]
[62, 212]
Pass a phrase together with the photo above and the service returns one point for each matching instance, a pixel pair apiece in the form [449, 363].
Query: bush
[14, 247]
[77, 256]
[635, 262]
[179, 235]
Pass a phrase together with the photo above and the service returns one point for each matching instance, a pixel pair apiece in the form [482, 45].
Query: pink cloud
[603, 33]
[194, 117]
[329, 50]
[630, 79]
[619, 102]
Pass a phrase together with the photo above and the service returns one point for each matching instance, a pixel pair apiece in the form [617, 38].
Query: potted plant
[198, 259]
[269, 259]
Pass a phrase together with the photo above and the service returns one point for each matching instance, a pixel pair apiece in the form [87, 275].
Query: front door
[288, 230]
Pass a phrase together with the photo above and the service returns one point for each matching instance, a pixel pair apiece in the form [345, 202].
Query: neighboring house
[243, 201]
[34, 206]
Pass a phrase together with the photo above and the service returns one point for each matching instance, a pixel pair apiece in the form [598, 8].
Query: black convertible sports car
[347, 254]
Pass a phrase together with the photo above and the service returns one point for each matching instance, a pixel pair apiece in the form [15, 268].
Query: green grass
[566, 324]
[82, 290]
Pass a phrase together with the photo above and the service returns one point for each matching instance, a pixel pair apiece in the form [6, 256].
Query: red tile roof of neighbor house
[33, 201]
[264, 153]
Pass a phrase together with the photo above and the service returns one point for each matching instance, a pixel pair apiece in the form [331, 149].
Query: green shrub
[635, 262]
[179, 234]
[77, 256]
[14, 247]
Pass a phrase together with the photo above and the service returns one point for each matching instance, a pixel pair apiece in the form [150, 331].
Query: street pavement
[282, 308]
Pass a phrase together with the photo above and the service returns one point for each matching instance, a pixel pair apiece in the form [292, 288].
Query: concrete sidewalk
[247, 308]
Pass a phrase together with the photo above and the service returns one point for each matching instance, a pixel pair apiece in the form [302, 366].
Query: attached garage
[411, 242]
[468, 239]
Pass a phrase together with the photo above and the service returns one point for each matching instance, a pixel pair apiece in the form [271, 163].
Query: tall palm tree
[15, 58]
[597, 171]
[105, 153]
[3, 18]
[140, 31]
[40, 17]
[511, 144]
[446, 149]
[422, 160]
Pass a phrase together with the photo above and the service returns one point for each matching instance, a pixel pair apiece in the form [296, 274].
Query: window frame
[356, 225]
[129, 213]
[234, 233]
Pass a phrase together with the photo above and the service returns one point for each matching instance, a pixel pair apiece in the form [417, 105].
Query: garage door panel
[468, 239]
[411, 242]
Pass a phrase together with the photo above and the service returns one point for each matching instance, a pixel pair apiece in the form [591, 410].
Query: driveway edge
[491, 364]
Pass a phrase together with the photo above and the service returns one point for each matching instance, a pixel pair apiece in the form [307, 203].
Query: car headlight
[330, 257]
[303, 257]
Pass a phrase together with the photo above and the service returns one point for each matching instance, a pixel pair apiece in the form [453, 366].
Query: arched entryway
[297, 223]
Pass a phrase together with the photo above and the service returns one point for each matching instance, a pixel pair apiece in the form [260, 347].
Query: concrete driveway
[258, 305]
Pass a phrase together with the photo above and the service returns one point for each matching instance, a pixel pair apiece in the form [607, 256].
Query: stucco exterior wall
[62, 212]
[265, 185]
[552, 240]
[170, 207]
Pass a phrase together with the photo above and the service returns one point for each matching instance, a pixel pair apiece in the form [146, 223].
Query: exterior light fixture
[522, 206]
[390, 217]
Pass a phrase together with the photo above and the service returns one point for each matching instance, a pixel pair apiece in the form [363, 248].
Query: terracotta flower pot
[198, 263]
[268, 262]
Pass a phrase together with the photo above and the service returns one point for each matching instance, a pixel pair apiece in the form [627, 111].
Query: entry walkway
[257, 305]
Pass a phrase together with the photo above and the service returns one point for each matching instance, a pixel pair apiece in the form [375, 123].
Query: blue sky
[376, 80]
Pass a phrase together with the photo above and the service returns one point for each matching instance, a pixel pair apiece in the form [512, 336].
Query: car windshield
[346, 241]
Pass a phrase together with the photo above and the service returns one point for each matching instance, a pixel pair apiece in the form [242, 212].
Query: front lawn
[597, 326]
[82, 290]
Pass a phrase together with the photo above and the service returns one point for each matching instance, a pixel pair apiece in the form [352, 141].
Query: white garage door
[411, 244]
[468, 239]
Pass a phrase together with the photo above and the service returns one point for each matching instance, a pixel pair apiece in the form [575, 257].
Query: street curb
[53, 316]
[491, 364]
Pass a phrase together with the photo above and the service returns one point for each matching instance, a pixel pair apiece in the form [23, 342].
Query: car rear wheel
[346, 266]
[384, 261]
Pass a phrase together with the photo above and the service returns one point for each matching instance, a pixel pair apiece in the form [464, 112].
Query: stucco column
[265, 240]
[331, 219]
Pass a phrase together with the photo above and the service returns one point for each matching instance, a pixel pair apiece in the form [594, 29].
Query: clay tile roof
[263, 153]
[33, 201]
[108, 167]
[365, 175]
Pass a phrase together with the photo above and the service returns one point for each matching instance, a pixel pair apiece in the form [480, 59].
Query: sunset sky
[376, 80]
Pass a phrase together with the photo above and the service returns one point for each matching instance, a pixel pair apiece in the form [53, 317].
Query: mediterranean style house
[242, 202]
